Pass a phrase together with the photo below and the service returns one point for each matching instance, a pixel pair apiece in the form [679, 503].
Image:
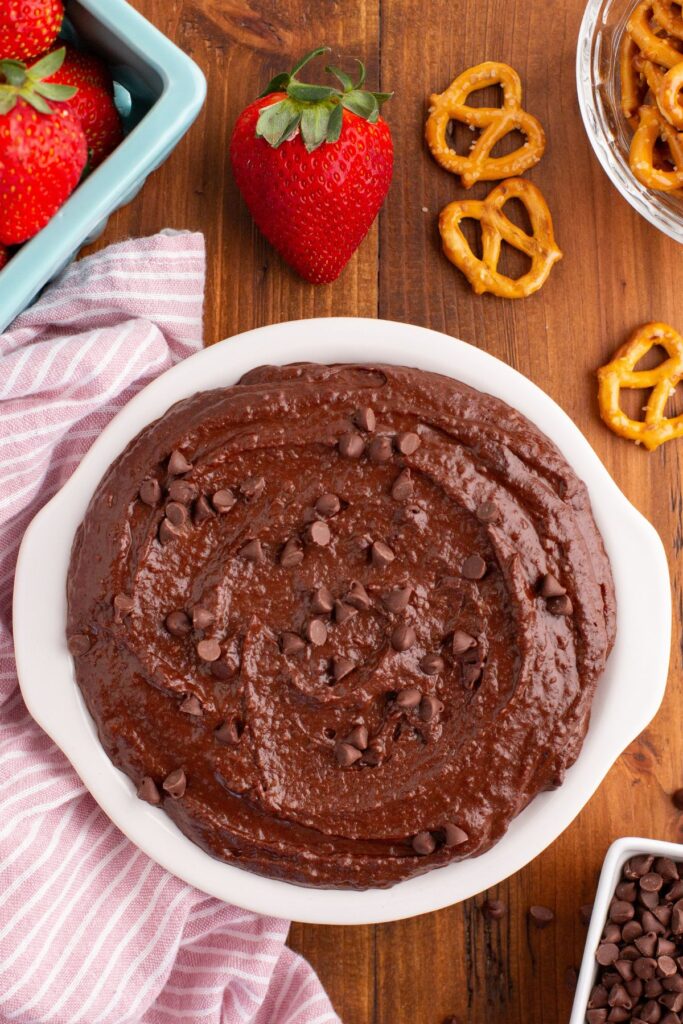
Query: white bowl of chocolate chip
[621, 708]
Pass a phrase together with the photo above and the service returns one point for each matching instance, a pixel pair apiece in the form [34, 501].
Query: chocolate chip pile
[640, 956]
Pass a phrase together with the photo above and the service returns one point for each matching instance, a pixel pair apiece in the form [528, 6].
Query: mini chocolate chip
[342, 667]
[651, 882]
[586, 912]
[316, 632]
[176, 513]
[626, 891]
[645, 967]
[666, 868]
[327, 505]
[397, 600]
[78, 644]
[598, 997]
[253, 487]
[228, 733]
[225, 668]
[380, 449]
[611, 933]
[648, 899]
[471, 674]
[677, 918]
[607, 953]
[432, 664]
[430, 707]
[167, 531]
[291, 643]
[677, 799]
[351, 445]
[123, 606]
[209, 650]
[182, 491]
[454, 835]
[178, 623]
[402, 487]
[175, 783]
[358, 597]
[253, 551]
[541, 916]
[665, 947]
[559, 605]
[365, 418]
[403, 637]
[462, 642]
[382, 555]
[346, 754]
[625, 969]
[358, 737]
[487, 512]
[150, 492]
[674, 892]
[149, 791]
[408, 442]
[408, 698]
[550, 586]
[666, 966]
[323, 601]
[318, 533]
[621, 911]
[619, 997]
[474, 568]
[424, 843]
[223, 500]
[202, 618]
[596, 1016]
[646, 944]
[639, 865]
[191, 706]
[292, 554]
[178, 464]
[495, 909]
[631, 931]
[343, 612]
[201, 511]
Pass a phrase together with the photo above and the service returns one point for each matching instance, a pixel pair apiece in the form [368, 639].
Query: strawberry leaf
[305, 93]
[361, 103]
[277, 122]
[334, 125]
[7, 100]
[277, 84]
[48, 65]
[346, 81]
[13, 71]
[361, 74]
[37, 102]
[309, 56]
[55, 92]
[314, 122]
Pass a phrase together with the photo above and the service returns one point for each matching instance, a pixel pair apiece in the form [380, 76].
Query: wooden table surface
[617, 272]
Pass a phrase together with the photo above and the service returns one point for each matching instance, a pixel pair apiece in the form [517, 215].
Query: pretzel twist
[495, 123]
[496, 228]
[668, 18]
[659, 49]
[632, 80]
[620, 373]
[652, 127]
[670, 96]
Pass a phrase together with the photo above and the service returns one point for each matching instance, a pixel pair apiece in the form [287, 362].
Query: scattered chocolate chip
[291, 643]
[182, 491]
[223, 500]
[351, 445]
[323, 601]
[474, 568]
[424, 843]
[167, 531]
[178, 623]
[253, 487]
[541, 916]
[178, 464]
[209, 650]
[571, 978]
[150, 492]
[403, 637]
[471, 674]
[253, 551]
[191, 706]
[342, 667]
[677, 799]
[201, 511]
[462, 642]
[494, 909]
[403, 486]
[550, 586]
[175, 783]
[430, 707]
[408, 698]
[432, 664]
[346, 754]
[408, 442]
[292, 554]
[454, 835]
[149, 791]
[397, 600]
[176, 513]
[586, 912]
[202, 618]
[358, 737]
[380, 449]
[365, 419]
[559, 605]
[318, 533]
[225, 668]
[316, 632]
[358, 597]
[343, 612]
[228, 733]
[487, 512]
[381, 554]
[78, 644]
[123, 605]
[327, 505]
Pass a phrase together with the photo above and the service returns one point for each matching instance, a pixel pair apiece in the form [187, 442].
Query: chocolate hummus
[342, 622]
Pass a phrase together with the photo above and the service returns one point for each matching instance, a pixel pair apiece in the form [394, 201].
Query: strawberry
[314, 165]
[93, 103]
[42, 147]
[28, 27]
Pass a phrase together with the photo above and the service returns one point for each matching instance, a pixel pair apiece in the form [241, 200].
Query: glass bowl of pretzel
[630, 82]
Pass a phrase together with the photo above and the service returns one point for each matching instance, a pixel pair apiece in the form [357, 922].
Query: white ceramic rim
[623, 704]
[619, 852]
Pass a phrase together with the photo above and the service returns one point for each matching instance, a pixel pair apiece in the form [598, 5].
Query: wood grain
[617, 272]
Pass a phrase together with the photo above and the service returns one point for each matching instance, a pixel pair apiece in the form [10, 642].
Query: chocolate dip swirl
[342, 622]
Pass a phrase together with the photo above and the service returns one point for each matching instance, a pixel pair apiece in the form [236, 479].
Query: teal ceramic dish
[159, 92]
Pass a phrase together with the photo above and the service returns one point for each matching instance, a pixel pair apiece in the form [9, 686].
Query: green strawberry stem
[18, 81]
[316, 110]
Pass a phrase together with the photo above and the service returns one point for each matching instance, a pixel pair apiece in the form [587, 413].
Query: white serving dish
[619, 852]
[623, 704]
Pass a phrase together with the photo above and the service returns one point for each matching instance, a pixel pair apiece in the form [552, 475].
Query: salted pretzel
[632, 81]
[663, 379]
[670, 19]
[483, 274]
[659, 49]
[670, 96]
[495, 122]
[651, 128]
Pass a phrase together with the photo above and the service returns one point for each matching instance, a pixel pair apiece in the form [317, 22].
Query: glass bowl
[598, 84]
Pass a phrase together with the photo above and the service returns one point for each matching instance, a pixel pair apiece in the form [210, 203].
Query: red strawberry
[4, 256]
[42, 147]
[28, 27]
[93, 103]
[314, 165]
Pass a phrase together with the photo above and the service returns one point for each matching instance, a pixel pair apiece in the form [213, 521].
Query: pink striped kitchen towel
[91, 930]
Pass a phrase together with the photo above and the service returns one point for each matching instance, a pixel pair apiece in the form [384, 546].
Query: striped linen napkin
[91, 930]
